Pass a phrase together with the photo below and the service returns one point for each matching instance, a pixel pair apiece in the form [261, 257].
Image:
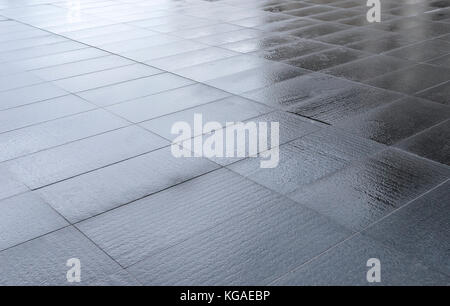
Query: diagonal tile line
[360, 232]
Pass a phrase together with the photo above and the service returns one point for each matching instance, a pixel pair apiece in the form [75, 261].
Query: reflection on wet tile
[229, 37]
[24, 217]
[327, 59]
[420, 229]
[369, 68]
[443, 61]
[382, 44]
[397, 121]
[46, 258]
[343, 104]
[431, 143]
[346, 264]
[318, 30]
[307, 159]
[351, 36]
[285, 94]
[314, 10]
[362, 194]
[258, 44]
[256, 78]
[412, 79]
[296, 49]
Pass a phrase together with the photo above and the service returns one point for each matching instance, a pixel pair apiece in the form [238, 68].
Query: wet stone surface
[87, 104]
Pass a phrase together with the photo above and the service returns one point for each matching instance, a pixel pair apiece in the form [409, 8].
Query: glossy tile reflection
[90, 91]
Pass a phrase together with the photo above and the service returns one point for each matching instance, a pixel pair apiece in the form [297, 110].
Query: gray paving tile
[327, 59]
[167, 102]
[220, 68]
[46, 259]
[259, 43]
[294, 50]
[19, 117]
[139, 43]
[420, 229]
[285, 94]
[423, 51]
[314, 31]
[394, 122]
[106, 77]
[60, 58]
[134, 89]
[368, 68]
[277, 235]
[233, 36]
[30, 42]
[346, 264]
[441, 61]
[192, 58]
[431, 143]
[256, 78]
[82, 156]
[412, 80]
[9, 185]
[362, 194]
[231, 109]
[81, 67]
[438, 94]
[107, 188]
[308, 159]
[343, 104]
[24, 217]
[18, 80]
[30, 94]
[42, 136]
[207, 30]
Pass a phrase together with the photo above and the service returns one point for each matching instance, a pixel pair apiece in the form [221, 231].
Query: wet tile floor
[89, 90]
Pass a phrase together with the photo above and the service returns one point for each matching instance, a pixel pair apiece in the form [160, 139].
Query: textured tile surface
[90, 91]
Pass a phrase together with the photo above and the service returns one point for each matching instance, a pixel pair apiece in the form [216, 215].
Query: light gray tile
[106, 77]
[104, 189]
[81, 67]
[24, 217]
[28, 95]
[57, 132]
[18, 80]
[167, 102]
[82, 156]
[9, 185]
[134, 89]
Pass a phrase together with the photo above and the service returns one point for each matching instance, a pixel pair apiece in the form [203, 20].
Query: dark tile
[318, 30]
[343, 104]
[287, 93]
[46, 259]
[364, 193]
[346, 264]
[443, 61]
[278, 235]
[286, 7]
[412, 79]
[253, 22]
[440, 94]
[350, 36]
[327, 59]
[428, 31]
[256, 78]
[307, 159]
[409, 10]
[298, 48]
[368, 68]
[420, 229]
[437, 15]
[396, 121]
[423, 51]
[382, 44]
[432, 143]
[107, 188]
